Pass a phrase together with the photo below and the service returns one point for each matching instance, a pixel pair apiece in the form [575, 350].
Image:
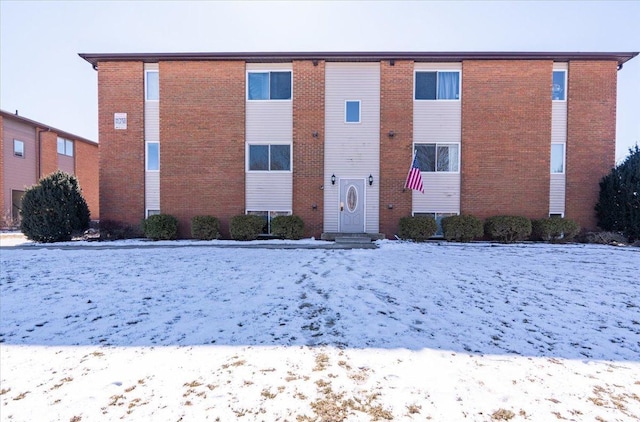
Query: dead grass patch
[502, 415]
[21, 395]
[321, 362]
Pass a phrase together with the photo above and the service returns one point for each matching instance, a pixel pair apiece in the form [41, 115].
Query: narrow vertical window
[153, 156]
[352, 112]
[557, 158]
[60, 146]
[558, 92]
[18, 148]
[152, 85]
[68, 147]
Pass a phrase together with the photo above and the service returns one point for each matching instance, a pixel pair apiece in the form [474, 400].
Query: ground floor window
[438, 216]
[152, 212]
[268, 216]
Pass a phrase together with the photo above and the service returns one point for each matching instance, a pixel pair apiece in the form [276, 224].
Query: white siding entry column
[151, 134]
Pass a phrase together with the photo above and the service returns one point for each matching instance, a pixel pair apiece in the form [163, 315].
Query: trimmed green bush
[287, 226]
[54, 209]
[246, 227]
[116, 230]
[205, 227]
[507, 228]
[417, 228]
[554, 229]
[461, 228]
[160, 227]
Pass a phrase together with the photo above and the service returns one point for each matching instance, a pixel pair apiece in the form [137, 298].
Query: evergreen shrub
[205, 227]
[246, 227]
[287, 226]
[507, 228]
[461, 228]
[54, 209]
[161, 227]
[417, 228]
[554, 229]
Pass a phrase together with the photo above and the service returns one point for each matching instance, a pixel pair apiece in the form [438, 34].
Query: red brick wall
[121, 90]
[308, 151]
[86, 170]
[591, 133]
[48, 153]
[202, 123]
[506, 138]
[396, 114]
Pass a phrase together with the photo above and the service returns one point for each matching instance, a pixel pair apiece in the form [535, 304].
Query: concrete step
[353, 239]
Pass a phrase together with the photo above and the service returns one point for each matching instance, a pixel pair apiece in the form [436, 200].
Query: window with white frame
[557, 158]
[18, 148]
[438, 157]
[437, 85]
[152, 85]
[152, 212]
[352, 111]
[268, 216]
[274, 85]
[153, 156]
[65, 147]
[438, 216]
[558, 91]
[271, 157]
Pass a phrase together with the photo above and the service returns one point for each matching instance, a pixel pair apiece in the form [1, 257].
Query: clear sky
[42, 76]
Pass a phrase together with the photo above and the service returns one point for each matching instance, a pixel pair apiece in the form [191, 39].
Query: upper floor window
[153, 156]
[438, 157]
[18, 148]
[558, 92]
[557, 158]
[352, 111]
[274, 85]
[437, 85]
[269, 157]
[152, 85]
[65, 147]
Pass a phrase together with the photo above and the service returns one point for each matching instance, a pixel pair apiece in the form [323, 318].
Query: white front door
[351, 206]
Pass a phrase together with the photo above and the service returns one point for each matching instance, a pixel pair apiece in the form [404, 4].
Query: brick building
[32, 150]
[330, 136]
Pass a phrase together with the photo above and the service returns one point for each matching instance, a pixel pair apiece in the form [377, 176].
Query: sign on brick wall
[119, 120]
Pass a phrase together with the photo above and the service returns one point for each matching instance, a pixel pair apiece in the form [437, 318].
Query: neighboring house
[32, 150]
[330, 136]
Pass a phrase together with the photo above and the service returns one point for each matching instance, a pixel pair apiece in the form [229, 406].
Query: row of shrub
[502, 228]
[207, 227]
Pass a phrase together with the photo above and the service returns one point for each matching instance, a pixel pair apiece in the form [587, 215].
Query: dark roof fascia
[62, 133]
[620, 57]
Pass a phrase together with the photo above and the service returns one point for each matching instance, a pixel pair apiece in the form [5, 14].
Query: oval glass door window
[352, 198]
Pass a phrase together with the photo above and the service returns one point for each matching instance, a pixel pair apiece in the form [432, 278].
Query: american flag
[414, 178]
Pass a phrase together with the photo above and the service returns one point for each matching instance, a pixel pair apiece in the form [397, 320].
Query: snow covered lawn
[441, 332]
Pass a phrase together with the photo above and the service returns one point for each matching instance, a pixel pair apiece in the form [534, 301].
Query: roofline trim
[62, 133]
[620, 57]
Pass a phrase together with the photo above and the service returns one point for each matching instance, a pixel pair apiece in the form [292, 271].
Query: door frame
[364, 202]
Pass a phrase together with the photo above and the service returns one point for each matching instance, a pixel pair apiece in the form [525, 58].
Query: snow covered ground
[435, 331]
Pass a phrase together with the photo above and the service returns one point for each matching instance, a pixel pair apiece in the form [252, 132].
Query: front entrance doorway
[351, 206]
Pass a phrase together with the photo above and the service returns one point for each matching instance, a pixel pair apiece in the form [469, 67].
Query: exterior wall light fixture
[370, 180]
[333, 179]
[391, 134]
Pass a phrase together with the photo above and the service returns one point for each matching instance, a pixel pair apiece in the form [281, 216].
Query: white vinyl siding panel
[151, 134]
[269, 191]
[557, 194]
[152, 190]
[66, 163]
[438, 122]
[441, 193]
[557, 183]
[559, 122]
[270, 121]
[352, 150]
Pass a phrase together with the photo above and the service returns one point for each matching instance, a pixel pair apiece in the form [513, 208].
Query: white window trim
[146, 72]
[14, 149]
[146, 156]
[267, 71]
[359, 112]
[441, 144]
[149, 210]
[248, 159]
[459, 72]
[566, 91]
[556, 214]
[564, 158]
